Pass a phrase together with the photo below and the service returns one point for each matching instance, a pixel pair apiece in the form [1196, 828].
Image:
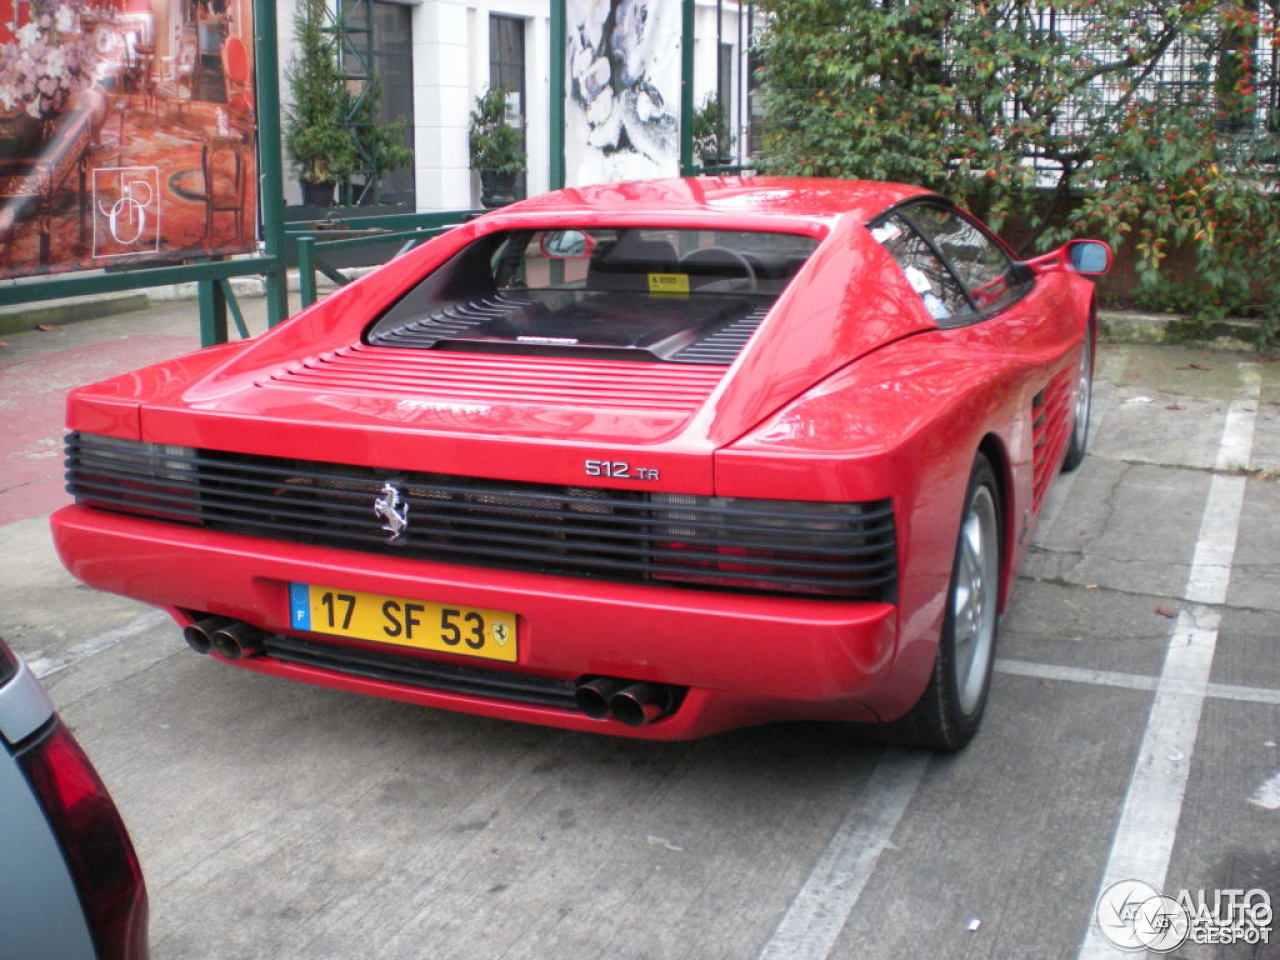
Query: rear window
[685, 296]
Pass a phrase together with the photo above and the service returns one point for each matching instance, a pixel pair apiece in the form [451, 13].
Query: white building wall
[443, 49]
[451, 67]
[470, 79]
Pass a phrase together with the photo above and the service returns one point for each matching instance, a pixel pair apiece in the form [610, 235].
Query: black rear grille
[724, 345]
[776, 546]
[457, 320]
[709, 331]
[428, 674]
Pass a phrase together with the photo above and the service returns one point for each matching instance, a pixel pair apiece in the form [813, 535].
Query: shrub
[493, 143]
[1053, 116]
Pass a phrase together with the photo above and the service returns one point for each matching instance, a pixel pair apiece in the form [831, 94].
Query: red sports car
[654, 459]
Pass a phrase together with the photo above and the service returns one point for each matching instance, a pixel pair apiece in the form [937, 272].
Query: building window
[506, 70]
[393, 66]
[724, 88]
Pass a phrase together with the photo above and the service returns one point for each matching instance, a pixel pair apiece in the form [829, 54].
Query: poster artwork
[623, 97]
[127, 132]
[126, 211]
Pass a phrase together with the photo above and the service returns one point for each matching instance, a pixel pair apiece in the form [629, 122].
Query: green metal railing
[357, 233]
[212, 278]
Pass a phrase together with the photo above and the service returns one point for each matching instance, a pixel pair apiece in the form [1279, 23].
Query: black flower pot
[317, 194]
[497, 188]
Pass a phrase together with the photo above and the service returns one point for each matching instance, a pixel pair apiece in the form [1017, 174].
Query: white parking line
[819, 911]
[1148, 824]
[45, 666]
[1130, 681]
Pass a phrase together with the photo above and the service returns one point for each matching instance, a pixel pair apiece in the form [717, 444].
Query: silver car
[70, 883]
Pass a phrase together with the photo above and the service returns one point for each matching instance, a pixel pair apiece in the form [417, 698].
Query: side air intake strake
[1050, 431]
[839, 550]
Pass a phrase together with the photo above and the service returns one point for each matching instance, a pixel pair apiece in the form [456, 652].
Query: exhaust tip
[199, 635]
[640, 704]
[237, 640]
[593, 696]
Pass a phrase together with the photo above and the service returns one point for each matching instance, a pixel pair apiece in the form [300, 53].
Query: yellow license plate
[448, 628]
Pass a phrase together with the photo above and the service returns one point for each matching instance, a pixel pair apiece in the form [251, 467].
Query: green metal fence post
[558, 40]
[306, 271]
[686, 91]
[270, 162]
[213, 312]
[233, 304]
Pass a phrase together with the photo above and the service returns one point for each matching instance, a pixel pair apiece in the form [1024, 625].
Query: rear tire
[948, 714]
[1083, 407]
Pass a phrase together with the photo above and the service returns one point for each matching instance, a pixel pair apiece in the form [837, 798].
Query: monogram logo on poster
[126, 210]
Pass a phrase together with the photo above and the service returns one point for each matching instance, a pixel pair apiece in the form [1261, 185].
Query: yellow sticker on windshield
[669, 283]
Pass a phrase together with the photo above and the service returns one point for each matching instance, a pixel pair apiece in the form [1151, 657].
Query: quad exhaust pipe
[199, 634]
[635, 703]
[230, 639]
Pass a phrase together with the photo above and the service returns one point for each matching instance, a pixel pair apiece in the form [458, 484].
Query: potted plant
[316, 132]
[497, 149]
[711, 133]
[380, 147]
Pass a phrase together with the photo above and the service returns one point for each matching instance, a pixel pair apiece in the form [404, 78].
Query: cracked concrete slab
[1102, 629]
[1236, 751]
[1129, 527]
[1258, 547]
[1250, 655]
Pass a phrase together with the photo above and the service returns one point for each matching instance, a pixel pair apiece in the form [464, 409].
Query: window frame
[1021, 281]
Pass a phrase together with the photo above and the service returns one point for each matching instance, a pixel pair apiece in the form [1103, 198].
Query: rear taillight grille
[842, 550]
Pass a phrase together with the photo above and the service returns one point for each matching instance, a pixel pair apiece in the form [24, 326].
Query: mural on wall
[623, 99]
[127, 132]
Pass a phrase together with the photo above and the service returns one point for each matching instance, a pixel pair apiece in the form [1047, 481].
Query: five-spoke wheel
[947, 714]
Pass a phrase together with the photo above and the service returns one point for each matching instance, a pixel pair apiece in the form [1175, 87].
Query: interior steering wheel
[720, 255]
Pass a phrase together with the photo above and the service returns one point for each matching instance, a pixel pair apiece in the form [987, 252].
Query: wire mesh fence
[1228, 78]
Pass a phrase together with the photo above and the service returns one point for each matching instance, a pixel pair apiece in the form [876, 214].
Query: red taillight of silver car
[94, 842]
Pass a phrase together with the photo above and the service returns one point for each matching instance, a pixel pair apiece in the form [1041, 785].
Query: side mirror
[566, 244]
[1092, 258]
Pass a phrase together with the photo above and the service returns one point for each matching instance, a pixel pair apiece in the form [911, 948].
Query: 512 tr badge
[618, 470]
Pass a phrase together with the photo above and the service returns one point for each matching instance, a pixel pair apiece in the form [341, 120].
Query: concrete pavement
[277, 820]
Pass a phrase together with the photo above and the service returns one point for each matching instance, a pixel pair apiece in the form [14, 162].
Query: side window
[928, 276]
[959, 271]
[979, 262]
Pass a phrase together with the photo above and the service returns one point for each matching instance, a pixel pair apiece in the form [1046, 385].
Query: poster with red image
[127, 132]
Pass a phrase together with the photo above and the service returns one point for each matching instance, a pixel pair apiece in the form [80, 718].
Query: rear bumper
[745, 659]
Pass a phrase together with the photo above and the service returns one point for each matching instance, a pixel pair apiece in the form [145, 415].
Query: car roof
[795, 198]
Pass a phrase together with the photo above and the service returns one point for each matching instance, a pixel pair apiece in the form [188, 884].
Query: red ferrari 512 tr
[655, 459]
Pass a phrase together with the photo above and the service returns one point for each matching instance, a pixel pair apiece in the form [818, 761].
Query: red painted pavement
[32, 397]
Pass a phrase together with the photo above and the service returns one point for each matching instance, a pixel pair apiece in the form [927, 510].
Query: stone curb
[1172, 328]
[28, 316]
[18, 317]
